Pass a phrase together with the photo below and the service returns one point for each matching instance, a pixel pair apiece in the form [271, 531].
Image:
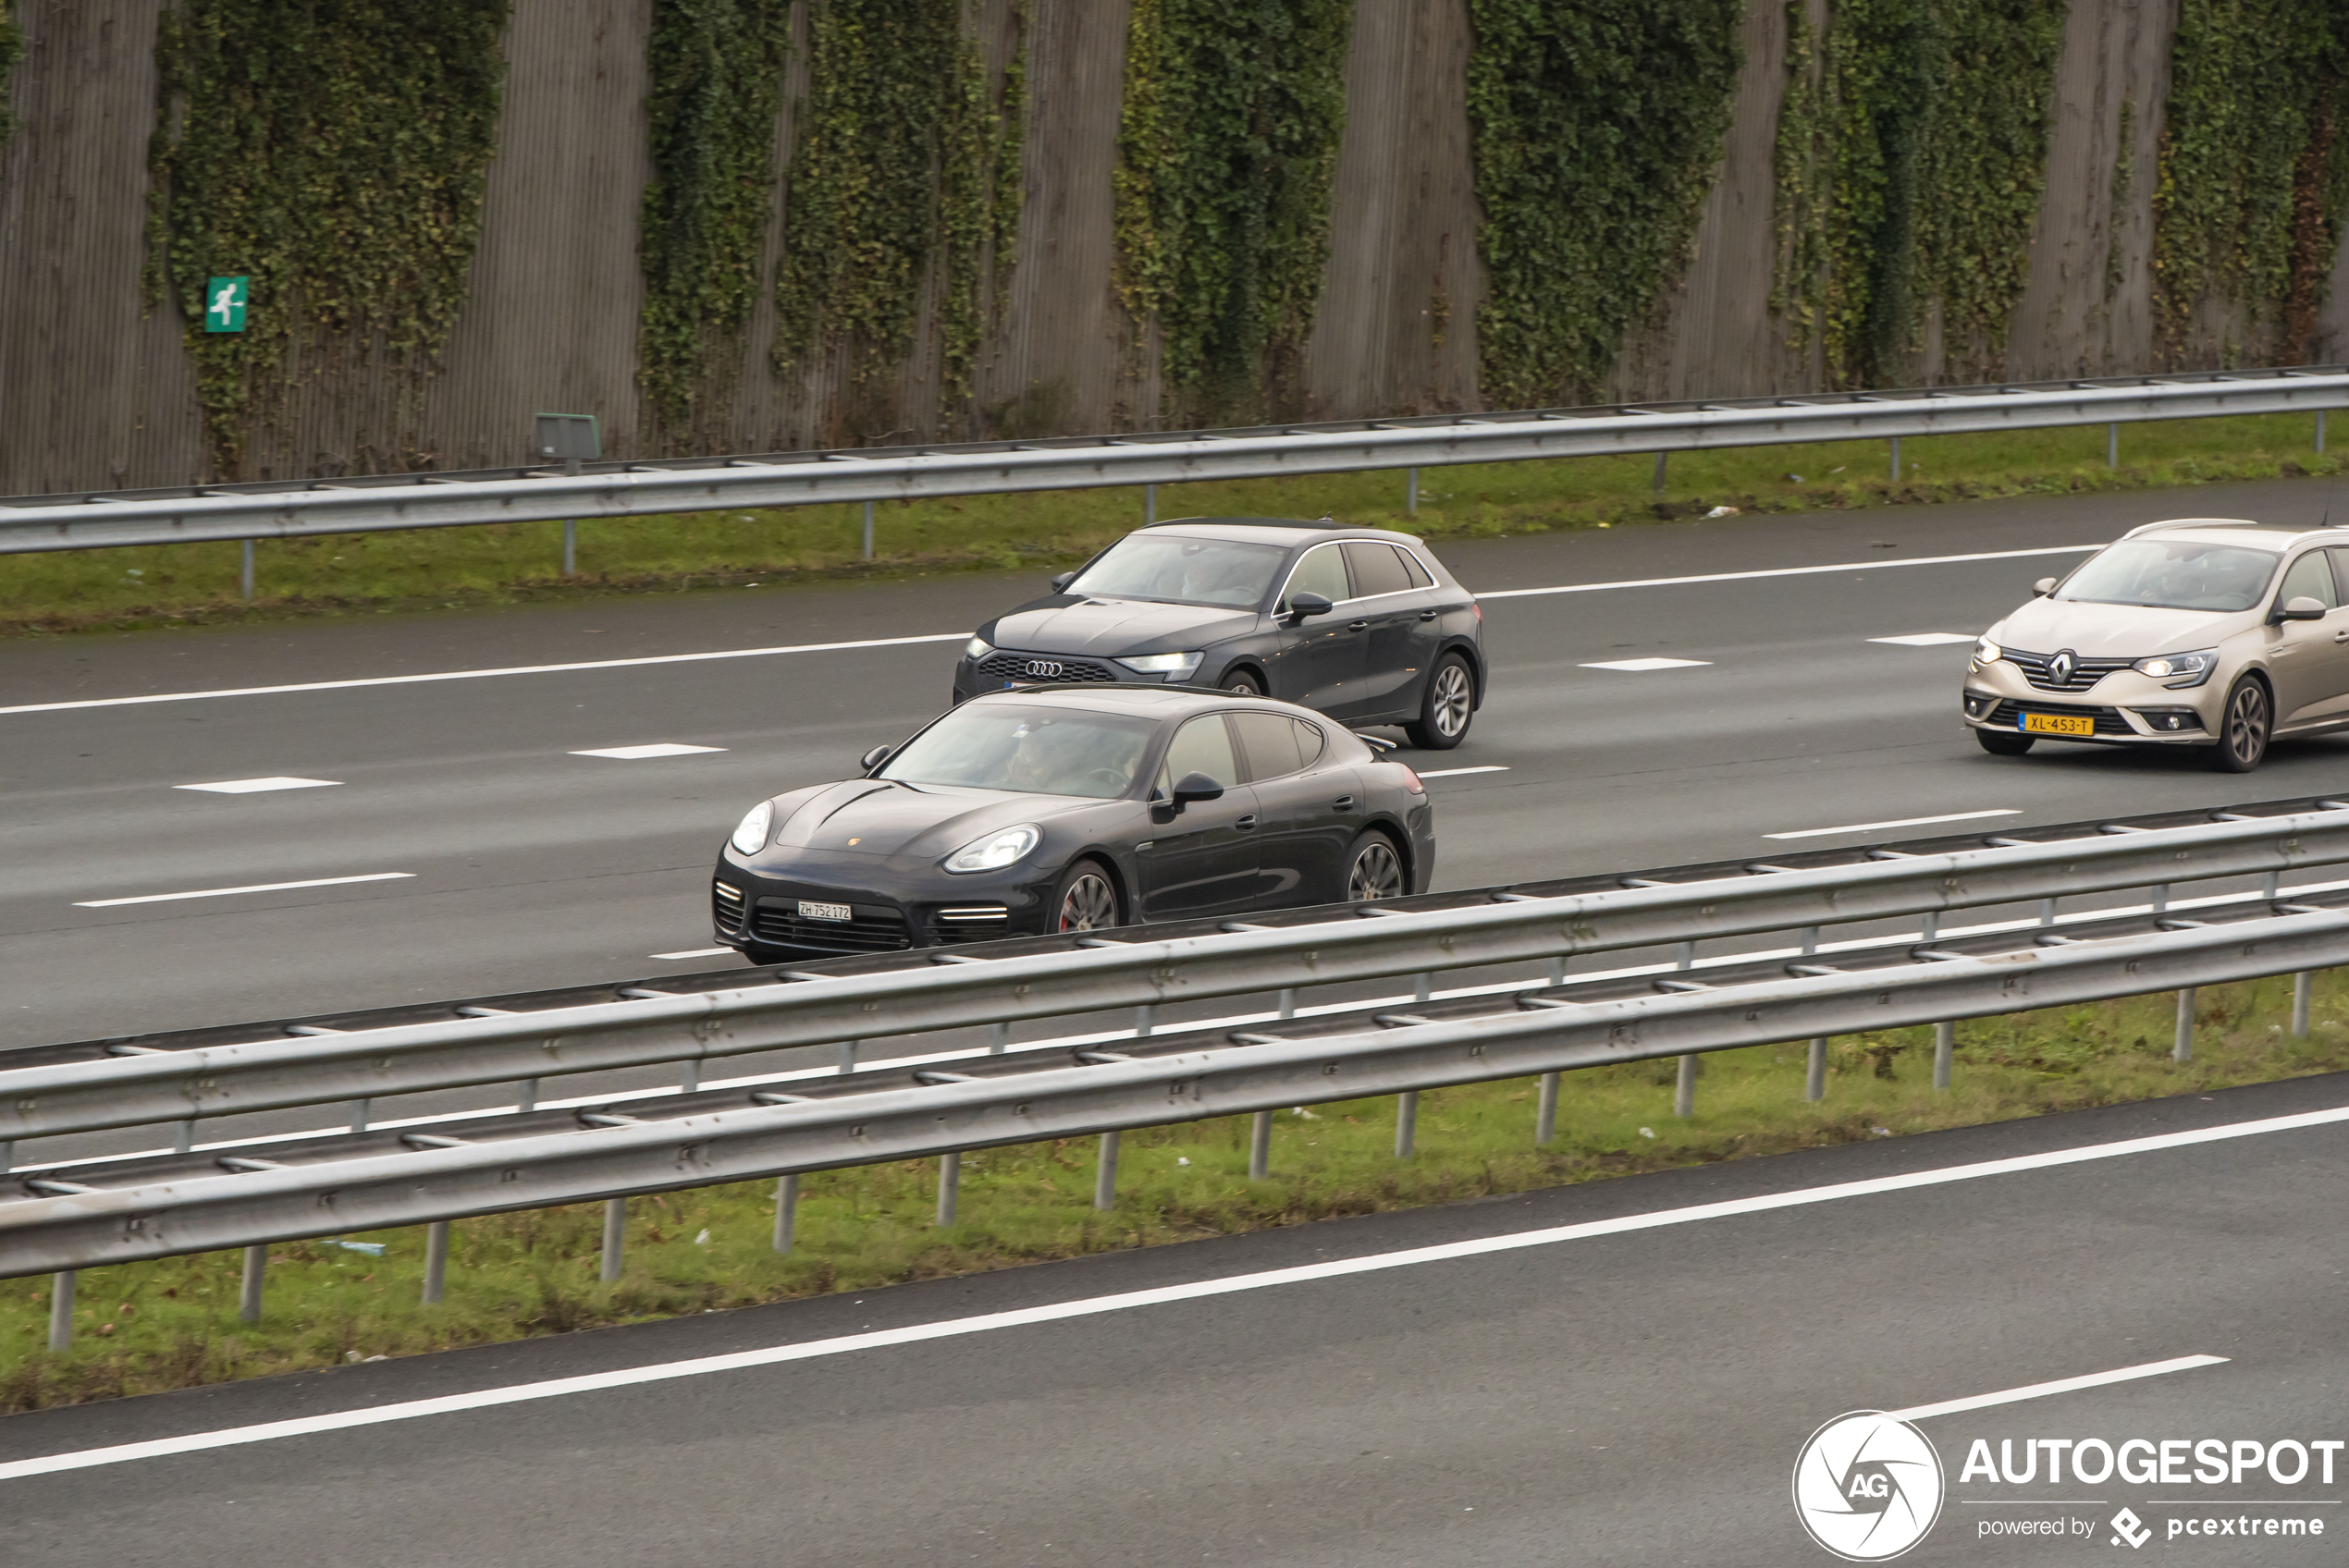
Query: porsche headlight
[996, 851]
[2176, 670]
[750, 833]
[1174, 667]
[1986, 652]
[976, 649]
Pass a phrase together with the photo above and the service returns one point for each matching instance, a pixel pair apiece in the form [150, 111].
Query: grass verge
[462, 568]
[140, 1327]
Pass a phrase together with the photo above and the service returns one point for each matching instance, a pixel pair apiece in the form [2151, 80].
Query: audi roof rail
[2197, 523]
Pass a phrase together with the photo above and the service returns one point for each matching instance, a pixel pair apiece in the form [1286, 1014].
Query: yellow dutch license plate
[2057, 724]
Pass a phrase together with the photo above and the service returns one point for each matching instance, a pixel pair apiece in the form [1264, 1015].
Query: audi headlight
[1174, 667]
[2180, 670]
[750, 833]
[996, 851]
[1986, 652]
[976, 649]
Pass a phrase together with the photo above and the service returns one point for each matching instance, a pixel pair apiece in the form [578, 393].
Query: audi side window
[1420, 579]
[1202, 745]
[1322, 571]
[1269, 742]
[1376, 567]
[1309, 743]
[2310, 577]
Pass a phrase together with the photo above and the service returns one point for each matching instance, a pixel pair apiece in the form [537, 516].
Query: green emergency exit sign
[224, 307]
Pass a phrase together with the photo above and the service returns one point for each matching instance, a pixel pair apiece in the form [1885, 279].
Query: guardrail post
[2183, 1050]
[436, 1260]
[1411, 495]
[689, 1076]
[2112, 445]
[848, 1056]
[999, 1038]
[1407, 1122]
[615, 1237]
[1896, 460]
[1945, 1045]
[1150, 505]
[1142, 1025]
[2159, 894]
[8, 1153]
[1814, 1078]
[1684, 1089]
[570, 547]
[2300, 1005]
[359, 1116]
[950, 1185]
[868, 531]
[527, 1101]
[183, 1139]
[1259, 1145]
[1105, 1179]
[249, 1298]
[2320, 432]
[2047, 911]
[1419, 988]
[1288, 1002]
[786, 1213]
[1659, 472]
[244, 577]
[1545, 1111]
[60, 1309]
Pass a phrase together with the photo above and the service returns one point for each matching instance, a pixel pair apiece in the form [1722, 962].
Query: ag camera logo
[1867, 1487]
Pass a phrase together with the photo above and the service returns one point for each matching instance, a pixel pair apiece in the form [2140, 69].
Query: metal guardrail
[300, 509]
[158, 1085]
[77, 1226]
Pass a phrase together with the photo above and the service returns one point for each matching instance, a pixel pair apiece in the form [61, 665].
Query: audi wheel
[1086, 900]
[2244, 725]
[1244, 682]
[1375, 871]
[1446, 708]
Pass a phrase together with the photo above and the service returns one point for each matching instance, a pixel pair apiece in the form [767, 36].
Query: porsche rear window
[2172, 574]
[1035, 751]
[1175, 571]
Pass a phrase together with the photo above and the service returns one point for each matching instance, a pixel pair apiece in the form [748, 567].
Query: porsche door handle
[1428, 615]
[1244, 823]
[1344, 803]
[1357, 626]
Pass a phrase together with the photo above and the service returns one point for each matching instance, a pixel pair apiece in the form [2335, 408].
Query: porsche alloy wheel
[1086, 903]
[1377, 871]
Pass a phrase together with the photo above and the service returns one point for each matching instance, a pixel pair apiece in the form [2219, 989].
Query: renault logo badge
[2062, 665]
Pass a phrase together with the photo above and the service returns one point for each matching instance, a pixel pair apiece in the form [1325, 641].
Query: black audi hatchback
[1360, 624]
[1039, 810]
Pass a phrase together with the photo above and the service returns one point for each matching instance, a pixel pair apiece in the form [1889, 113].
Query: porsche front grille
[869, 930]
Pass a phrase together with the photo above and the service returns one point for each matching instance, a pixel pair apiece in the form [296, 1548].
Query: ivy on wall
[907, 158]
[1596, 129]
[11, 51]
[1226, 156]
[2253, 174]
[1911, 153]
[716, 87]
[334, 153]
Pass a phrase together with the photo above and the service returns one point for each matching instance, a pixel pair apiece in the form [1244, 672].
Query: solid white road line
[260, 785]
[1925, 638]
[1457, 772]
[638, 754]
[2060, 1386]
[1126, 1301]
[256, 888]
[1642, 664]
[1777, 571]
[1904, 822]
[692, 952]
[486, 674]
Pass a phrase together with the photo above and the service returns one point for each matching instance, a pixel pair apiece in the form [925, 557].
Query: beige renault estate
[2201, 631]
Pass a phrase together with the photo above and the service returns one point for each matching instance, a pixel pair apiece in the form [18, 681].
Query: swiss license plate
[810, 910]
[2037, 724]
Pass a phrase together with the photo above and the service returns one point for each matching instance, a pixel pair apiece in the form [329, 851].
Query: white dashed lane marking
[1457, 772]
[1903, 822]
[1637, 666]
[692, 952]
[260, 785]
[658, 749]
[1925, 638]
[2060, 1386]
[256, 888]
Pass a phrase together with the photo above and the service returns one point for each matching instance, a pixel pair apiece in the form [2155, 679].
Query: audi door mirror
[1196, 787]
[2303, 608]
[1307, 603]
[2044, 587]
[875, 757]
[1060, 584]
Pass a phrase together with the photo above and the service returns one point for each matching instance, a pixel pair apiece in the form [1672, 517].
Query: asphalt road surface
[500, 859]
[1633, 1392]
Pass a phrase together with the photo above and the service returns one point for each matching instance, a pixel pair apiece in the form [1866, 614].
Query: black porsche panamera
[1040, 810]
[1358, 623]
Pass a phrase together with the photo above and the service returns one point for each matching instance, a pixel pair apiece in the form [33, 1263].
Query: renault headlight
[996, 851]
[1986, 652]
[2178, 670]
[1174, 667]
[750, 833]
[976, 649]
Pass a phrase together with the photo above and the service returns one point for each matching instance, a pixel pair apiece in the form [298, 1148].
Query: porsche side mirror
[1060, 584]
[874, 758]
[1307, 603]
[2044, 587]
[1196, 787]
[2303, 608]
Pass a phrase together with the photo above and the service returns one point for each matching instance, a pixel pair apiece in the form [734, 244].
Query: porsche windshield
[1176, 571]
[2172, 574]
[1037, 751]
